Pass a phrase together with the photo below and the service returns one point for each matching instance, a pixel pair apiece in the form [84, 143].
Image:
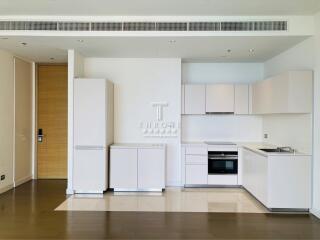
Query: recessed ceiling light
[24, 43]
[172, 41]
[80, 40]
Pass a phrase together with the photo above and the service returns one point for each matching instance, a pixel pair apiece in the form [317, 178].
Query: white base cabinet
[279, 182]
[137, 168]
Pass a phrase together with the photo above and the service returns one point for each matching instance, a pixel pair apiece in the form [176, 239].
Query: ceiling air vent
[172, 26]
[204, 26]
[74, 26]
[144, 26]
[236, 26]
[139, 26]
[37, 26]
[271, 26]
[106, 26]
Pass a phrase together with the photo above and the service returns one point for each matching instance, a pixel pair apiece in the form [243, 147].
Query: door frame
[35, 115]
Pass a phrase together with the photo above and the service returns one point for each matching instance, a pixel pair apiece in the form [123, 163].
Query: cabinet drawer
[196, 174]
[197, 150]
[223, 179]
[196, 159]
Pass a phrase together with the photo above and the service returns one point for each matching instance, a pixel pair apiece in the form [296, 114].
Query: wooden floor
[27, 213]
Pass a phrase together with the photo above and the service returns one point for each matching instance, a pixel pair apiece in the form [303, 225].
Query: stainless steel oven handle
[223, 158]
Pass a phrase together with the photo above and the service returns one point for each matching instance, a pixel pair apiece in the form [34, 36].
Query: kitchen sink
[277, 150]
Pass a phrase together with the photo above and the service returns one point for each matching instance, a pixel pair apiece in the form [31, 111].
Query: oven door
[222, 166]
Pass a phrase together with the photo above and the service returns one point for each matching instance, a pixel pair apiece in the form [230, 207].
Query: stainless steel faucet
[287, 149]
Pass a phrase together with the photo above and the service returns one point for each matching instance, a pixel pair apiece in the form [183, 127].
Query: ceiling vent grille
[74, 26]
[143, 26]
[204, 26]
[139, 26]
[236, 26]
[106, 26]
[172, 26]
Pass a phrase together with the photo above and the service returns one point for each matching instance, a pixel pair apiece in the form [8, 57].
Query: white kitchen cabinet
[196, 174]
[124, 168]
[151, 168]
[220, 98]
[241, 101]
[135, 167]
[195, 164]
[278, 181]
[290, 92]
[89, 172]
[194, 99]
[223, 180]
[182, 100]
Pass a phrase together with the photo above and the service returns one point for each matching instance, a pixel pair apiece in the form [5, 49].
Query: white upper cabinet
[182, 100]
[220, 98]
[194, 99]
[291, 92]
[241, 95]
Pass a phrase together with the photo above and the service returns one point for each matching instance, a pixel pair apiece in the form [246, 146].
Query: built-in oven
[222, 162]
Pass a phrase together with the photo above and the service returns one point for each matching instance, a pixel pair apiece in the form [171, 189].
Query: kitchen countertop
[253, 146]
[137, 145]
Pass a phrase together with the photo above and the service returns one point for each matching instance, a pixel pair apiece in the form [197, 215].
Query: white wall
[221, 72]
[222, 127]
[294, 130]
[300, 57]
[6, 119]
[23, 87]
[138, 82]
[316, 127]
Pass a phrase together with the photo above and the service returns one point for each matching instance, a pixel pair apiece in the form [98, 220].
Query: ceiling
[204, 49]
[159, 7]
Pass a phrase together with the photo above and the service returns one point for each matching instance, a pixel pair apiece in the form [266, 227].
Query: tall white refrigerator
[93, 133]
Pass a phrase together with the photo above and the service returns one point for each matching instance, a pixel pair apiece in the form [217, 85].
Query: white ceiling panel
[159, 7]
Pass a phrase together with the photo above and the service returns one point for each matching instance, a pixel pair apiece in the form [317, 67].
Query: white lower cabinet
[196, 174]
[124, 168]
[89, 171]
[137, 168]
[255, 175]
[278, 181]
[151, 168]
[223, 180]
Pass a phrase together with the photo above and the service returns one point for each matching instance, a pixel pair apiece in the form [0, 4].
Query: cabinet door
[196, 174]
[182, 100]
[151, 168]
[90, 171]
[241, 101]
[195, 100]
[255, 175]
[123, 168]
[220, 98]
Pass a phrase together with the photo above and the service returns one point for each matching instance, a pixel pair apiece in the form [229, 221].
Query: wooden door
[52, 119]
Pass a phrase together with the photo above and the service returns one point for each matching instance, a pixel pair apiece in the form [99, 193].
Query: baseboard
[315, 212]
[69, 191]
[22, 181]
[6, 188]
[174, 184]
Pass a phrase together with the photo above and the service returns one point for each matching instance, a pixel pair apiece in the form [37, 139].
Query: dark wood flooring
[28, 213]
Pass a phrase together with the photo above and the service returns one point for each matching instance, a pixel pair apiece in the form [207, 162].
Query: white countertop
[253, 146]
[138, 145]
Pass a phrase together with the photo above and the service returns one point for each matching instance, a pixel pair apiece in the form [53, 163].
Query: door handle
[40, 135]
